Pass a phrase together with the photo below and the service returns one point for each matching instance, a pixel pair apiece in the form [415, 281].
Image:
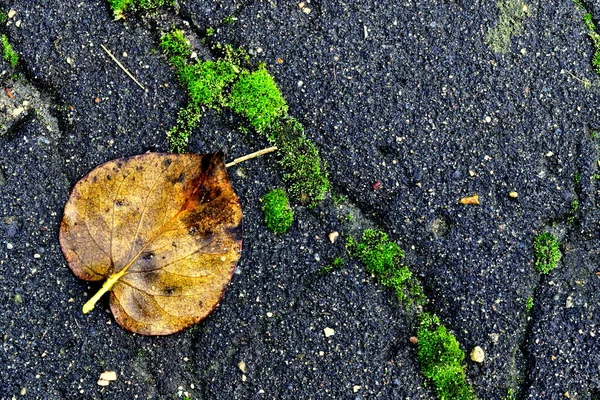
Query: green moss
[119, 6]
[529, 304]
[8, 52]
[178, 136]
[3, 17]
[256, 96]
[278, 213]
[229, 83]
[205, 81]
[441, 359]
[210, 31]
[337, 263]
[546, 252]
[175, 46]
[304, 172]
[592, 31]
[572, 214]
[383, 258]
[510, 22]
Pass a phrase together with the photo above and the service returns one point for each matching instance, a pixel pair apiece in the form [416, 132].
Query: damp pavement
[407, 94]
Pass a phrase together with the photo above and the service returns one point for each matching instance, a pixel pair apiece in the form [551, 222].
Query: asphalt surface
[404, 93]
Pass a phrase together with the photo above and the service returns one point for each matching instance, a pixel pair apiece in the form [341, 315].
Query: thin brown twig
[251, 155]
[122, 66]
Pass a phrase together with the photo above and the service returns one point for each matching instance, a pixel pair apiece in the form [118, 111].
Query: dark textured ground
[419, 103]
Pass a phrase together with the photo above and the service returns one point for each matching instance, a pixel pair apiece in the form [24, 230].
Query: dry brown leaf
[163, 229]
[470, 200]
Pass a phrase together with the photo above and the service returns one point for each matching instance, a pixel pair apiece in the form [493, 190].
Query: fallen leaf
[163, 229]
[470, 200]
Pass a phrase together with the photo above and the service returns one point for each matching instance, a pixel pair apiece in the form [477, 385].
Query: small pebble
[356, 388]
[18, 24]
[413, 340]
[306, 10]
[477, 354]
[242, 366]
[23, 391]
[333, 236]
[513, 195]
[9, 246]
[474, 200]
[108, 376]
[329, 332]
[12, 13]
[36, 255]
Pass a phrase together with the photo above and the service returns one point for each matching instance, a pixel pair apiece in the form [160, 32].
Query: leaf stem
[107, 286]
[251, 155]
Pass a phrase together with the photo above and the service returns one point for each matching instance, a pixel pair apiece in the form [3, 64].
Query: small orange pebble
[97, 100]
[413, 340]
[280, 61]
[470, 200]
[8, 93]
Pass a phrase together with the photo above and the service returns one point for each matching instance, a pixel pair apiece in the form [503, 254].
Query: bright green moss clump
[546, 251]
[206, 80]
[441, 360]
[8, 52]
[256, 96]
[278, 213]
[175, 47]
[383, 258]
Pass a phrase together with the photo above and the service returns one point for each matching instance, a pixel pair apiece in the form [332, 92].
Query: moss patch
[8, 52]
[510, 22]
[594, 34]
[119, 6]
[278, 213]
[179, 135]
[383, 258]
[256, 96]
[546, 251]
[305, 173]
[231, 82]
[441, 359]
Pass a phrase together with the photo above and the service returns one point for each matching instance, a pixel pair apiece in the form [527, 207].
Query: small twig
[251, 155]
[122, 67]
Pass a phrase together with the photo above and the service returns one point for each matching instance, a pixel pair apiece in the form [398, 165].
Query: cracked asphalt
[404, 93]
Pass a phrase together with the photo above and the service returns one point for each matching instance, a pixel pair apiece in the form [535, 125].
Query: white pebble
[108, 376]
[12, 13]
[9, 246]
[329, 332]
[477, 354]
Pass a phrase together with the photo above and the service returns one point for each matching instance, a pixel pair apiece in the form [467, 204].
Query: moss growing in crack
[256, 96]
[529, 304]
[230, 83]
[8, 52]
[175, 46]
[178, 136]
[546, 252]
[119, 6]
[3, 17]
[205, 81]
[441, 359]
[588, 19]
[305, 173]
[383, 258]
[510, 22]
[278, 213]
